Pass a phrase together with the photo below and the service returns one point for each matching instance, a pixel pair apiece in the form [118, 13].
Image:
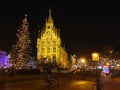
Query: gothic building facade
[49, 48]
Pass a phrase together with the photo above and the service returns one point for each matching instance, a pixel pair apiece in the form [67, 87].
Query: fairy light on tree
[21, 52]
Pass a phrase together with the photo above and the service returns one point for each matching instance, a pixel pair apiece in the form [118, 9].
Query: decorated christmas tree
[21, 51]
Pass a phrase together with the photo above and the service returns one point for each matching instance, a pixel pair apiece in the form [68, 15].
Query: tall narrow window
[48, 50]
[48, 27]
[42, 49]
[54, 49]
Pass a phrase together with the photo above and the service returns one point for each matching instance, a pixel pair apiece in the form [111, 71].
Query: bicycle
[49, 83]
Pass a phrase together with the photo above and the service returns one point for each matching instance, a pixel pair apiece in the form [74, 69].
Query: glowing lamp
[95, 56]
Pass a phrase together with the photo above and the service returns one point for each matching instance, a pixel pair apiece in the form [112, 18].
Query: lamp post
[83, 62]
[95, 58]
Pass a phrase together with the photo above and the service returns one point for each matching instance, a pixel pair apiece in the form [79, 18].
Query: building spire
[49, 20]
[50, 16]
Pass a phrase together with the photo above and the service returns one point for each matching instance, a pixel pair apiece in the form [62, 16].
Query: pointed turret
[50, 16]
[58, 32]
[49, 20]
[39, 35]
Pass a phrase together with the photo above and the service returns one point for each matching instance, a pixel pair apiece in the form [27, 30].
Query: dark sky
[85, 25]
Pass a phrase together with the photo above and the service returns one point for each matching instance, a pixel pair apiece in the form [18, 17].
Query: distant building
[49, 46]
[4, 59]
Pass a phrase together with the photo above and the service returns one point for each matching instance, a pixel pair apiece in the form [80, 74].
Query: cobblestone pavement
[63, 84]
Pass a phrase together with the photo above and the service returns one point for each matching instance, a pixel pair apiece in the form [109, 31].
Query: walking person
[11, 72]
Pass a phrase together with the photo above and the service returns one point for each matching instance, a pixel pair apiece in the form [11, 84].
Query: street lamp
[83, 60]
[95, 58]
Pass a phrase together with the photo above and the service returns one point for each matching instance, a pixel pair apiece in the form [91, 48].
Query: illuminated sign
[95, 56]
[106, 69]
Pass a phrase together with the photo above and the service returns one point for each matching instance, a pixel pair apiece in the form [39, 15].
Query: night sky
[85, 25]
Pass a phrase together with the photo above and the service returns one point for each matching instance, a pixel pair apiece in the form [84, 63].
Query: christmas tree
[21, 52]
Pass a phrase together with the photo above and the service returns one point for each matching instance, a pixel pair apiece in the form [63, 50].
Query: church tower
[49, 47]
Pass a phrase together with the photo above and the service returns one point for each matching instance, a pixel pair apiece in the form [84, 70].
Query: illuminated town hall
[49, 47]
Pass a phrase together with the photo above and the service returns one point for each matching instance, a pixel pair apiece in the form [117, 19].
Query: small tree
[110, 55]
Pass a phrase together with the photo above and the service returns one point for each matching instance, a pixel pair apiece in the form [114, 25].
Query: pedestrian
[11, 72]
